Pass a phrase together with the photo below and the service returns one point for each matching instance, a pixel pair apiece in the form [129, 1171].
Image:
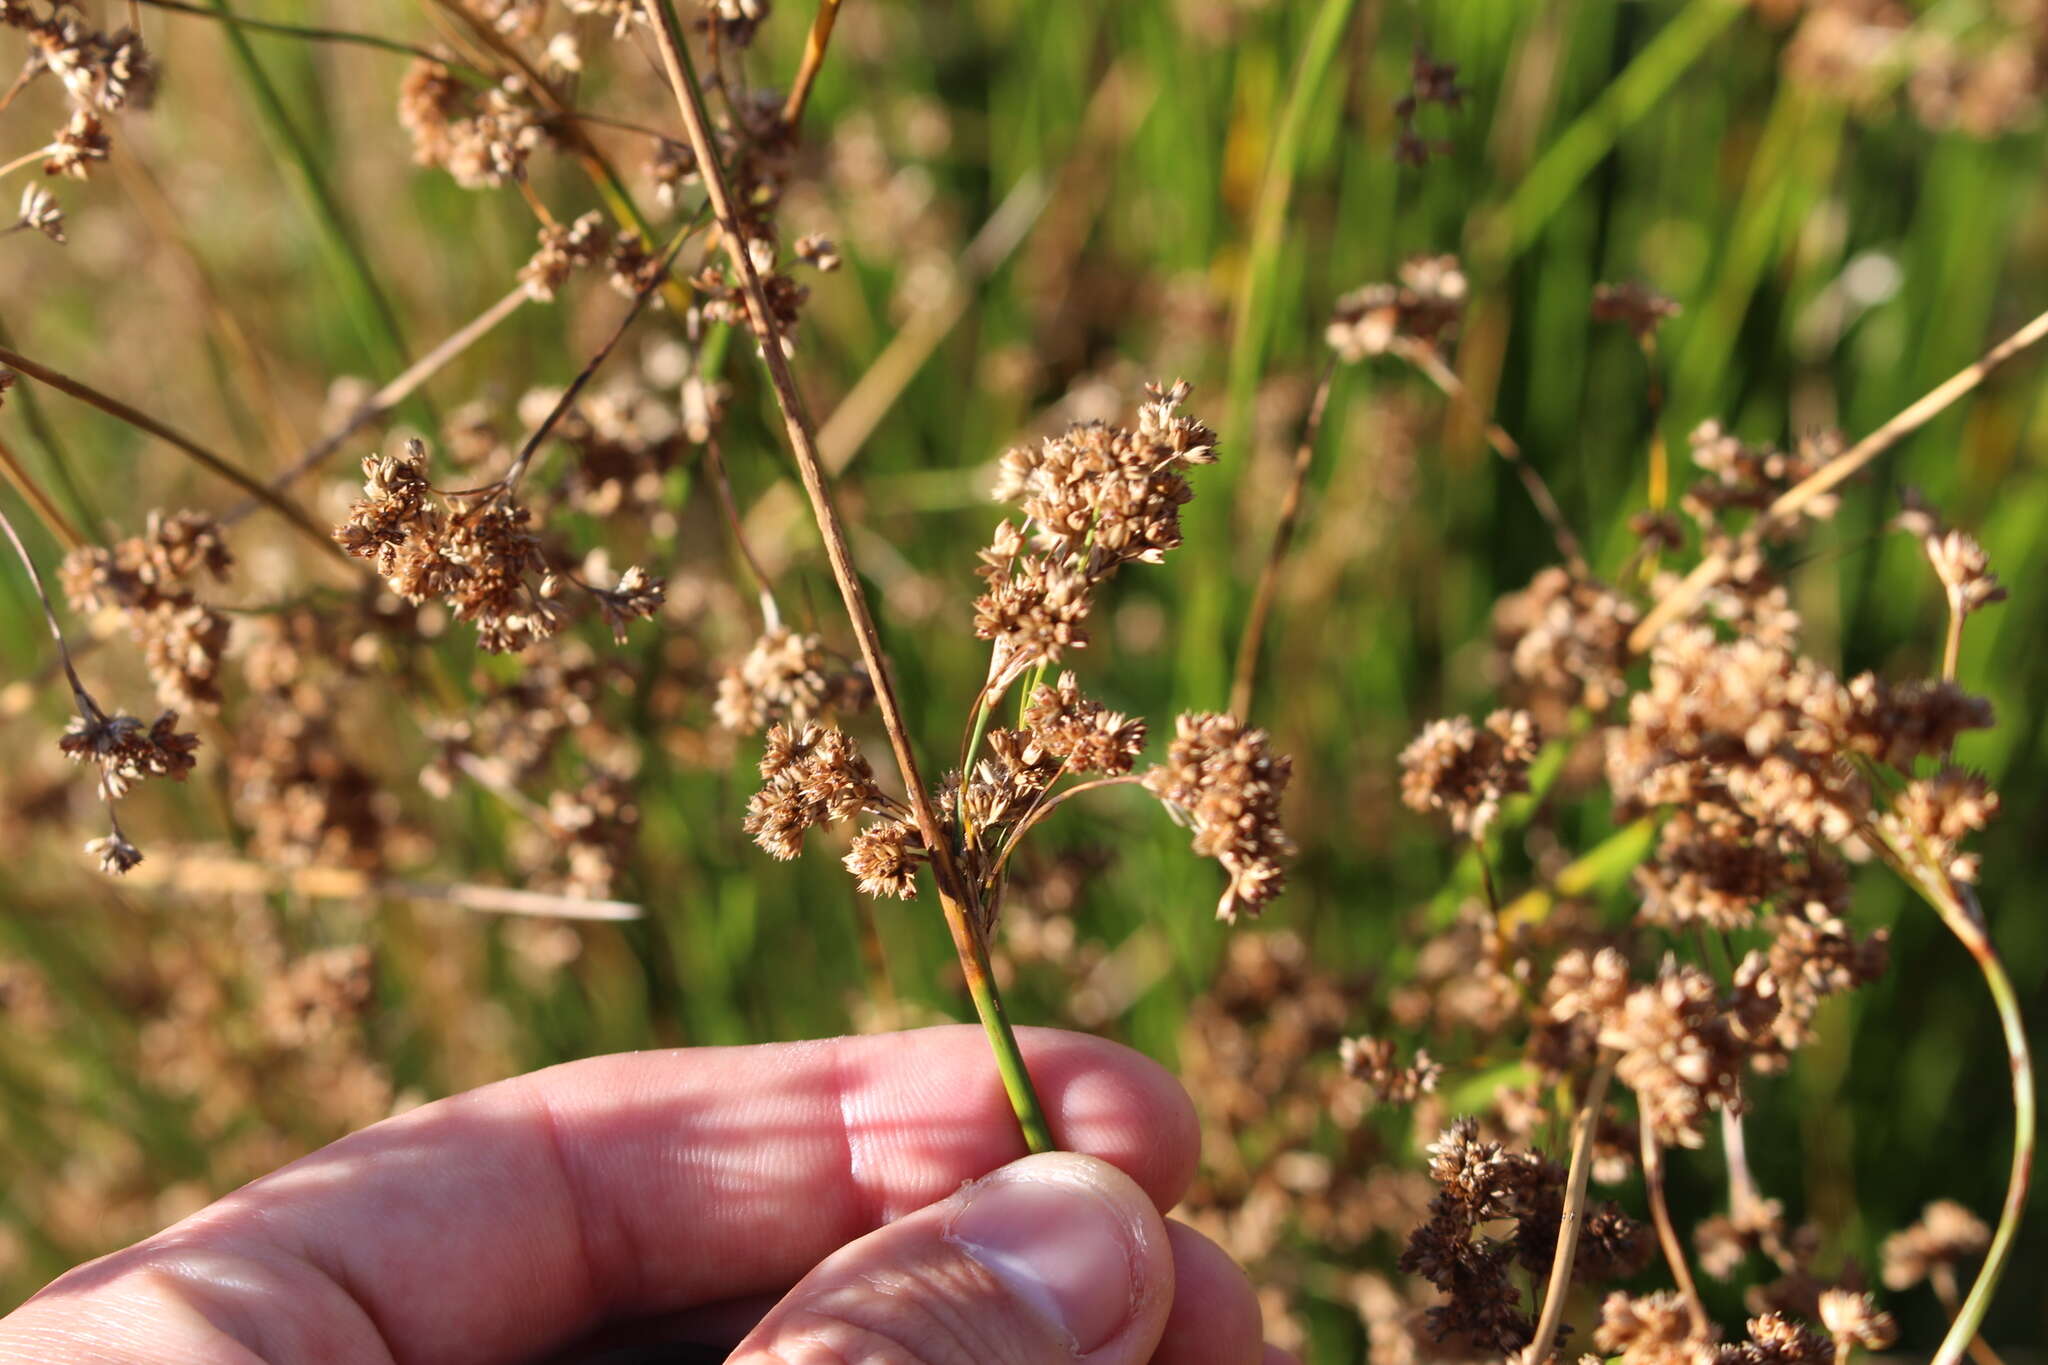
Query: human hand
[803, 1200]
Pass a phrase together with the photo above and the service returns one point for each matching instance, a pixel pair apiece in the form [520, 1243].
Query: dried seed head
[1775, 1339]
[885, 857]
[788, 677]
[1633, 305]
[127, 753]
[1422, 308]
[1856, 1320]
[116, 855]
[1932, 817]
[41, 212]
[1653, 1329]
[563, 250]
[1226, 782]
[1088, 736]
[1373, 1061]
[1565, 641]
[1466, 771]
[811, 775]
[1947, 1234]
[819, 252]
[637, 596]
[79, 144]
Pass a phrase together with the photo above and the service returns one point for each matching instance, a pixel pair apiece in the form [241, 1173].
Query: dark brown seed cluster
[1375, 1061]
[126, 753]
[1223, 778]
[1429, 82]
[481, 138]
[812, 775]
[1633, 305]
[476, 553]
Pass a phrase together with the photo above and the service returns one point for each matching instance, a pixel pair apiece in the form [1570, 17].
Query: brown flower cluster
[1094, 498]
[791, 677]
[563, 250]
[126, 753]
[1564, 642]
[102, 72]
[481, 138]
[1429, 82]
[476, 553]
[1633, 305]
[1085, 735]
[1467, 770]
[811, 775]
[1946, 1236]
[1223, 778]
[1420, 308]
[1376, 1062]
[149, 580]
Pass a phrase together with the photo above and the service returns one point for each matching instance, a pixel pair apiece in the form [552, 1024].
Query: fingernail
[1060, 1245]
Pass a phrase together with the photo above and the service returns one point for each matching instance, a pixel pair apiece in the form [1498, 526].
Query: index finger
[507, 1220]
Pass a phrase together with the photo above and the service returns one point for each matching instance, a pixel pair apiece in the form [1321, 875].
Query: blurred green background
[1199, 179]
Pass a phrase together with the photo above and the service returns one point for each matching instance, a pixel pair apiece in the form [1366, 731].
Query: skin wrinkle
[602, 1291]
[867, 1209]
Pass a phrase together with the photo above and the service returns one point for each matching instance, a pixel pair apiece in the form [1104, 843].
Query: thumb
[1051, 1259]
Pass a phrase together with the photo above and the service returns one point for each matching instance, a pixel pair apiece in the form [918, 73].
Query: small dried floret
[1565, 639]
[1653, 1329]
[788, 676]
[562, 250]
[1775, 1339]
[128, 753]
[1743, 476]
[1634, 305]
[637, 596]
[1466, 771]
[115, 853]
[1681, 1047]
[41, 212]
[885, 857]
[1420, 309]
[812, 775]
[819, 252]
[1225, 780]
[1088, 736]
[1946, 1234]
[79, 144]
[1856, 1320]
[1375, 1062]
[595, 826]
[1933, 816]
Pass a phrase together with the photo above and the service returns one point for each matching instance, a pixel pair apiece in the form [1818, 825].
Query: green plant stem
[1970, 1319]
[369, 308]
[957, 898]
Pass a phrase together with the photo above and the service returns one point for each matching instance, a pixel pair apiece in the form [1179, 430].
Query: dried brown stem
[1426, 358]
[1573, 1216]
[813, 61]
[955, 895]
[397, 391]
[1795, 499]
[34, 495]
[728, 507]
[216, 875]
[142, 421]
[1667, 1235]
[87, 707]
[1248, 647]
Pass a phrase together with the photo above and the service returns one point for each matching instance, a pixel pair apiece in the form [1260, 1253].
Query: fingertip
[1117, 1104]
[1215, 1318]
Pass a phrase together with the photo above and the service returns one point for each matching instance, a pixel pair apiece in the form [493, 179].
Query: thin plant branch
[955, 895]
[1795, 499]
[87, 707]
[142, 421]
[32, 493]
[813, 60]
[1667, 1235]
[728, 507]
[1572, 1217]
[307, 31]
[217, 875]
[1253, 640]
[1426, 358]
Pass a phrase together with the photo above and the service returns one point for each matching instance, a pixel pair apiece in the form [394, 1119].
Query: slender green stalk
[1252, 317]
[1580, 148]
[957, 898]
[1969, 927]
[369, 308]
